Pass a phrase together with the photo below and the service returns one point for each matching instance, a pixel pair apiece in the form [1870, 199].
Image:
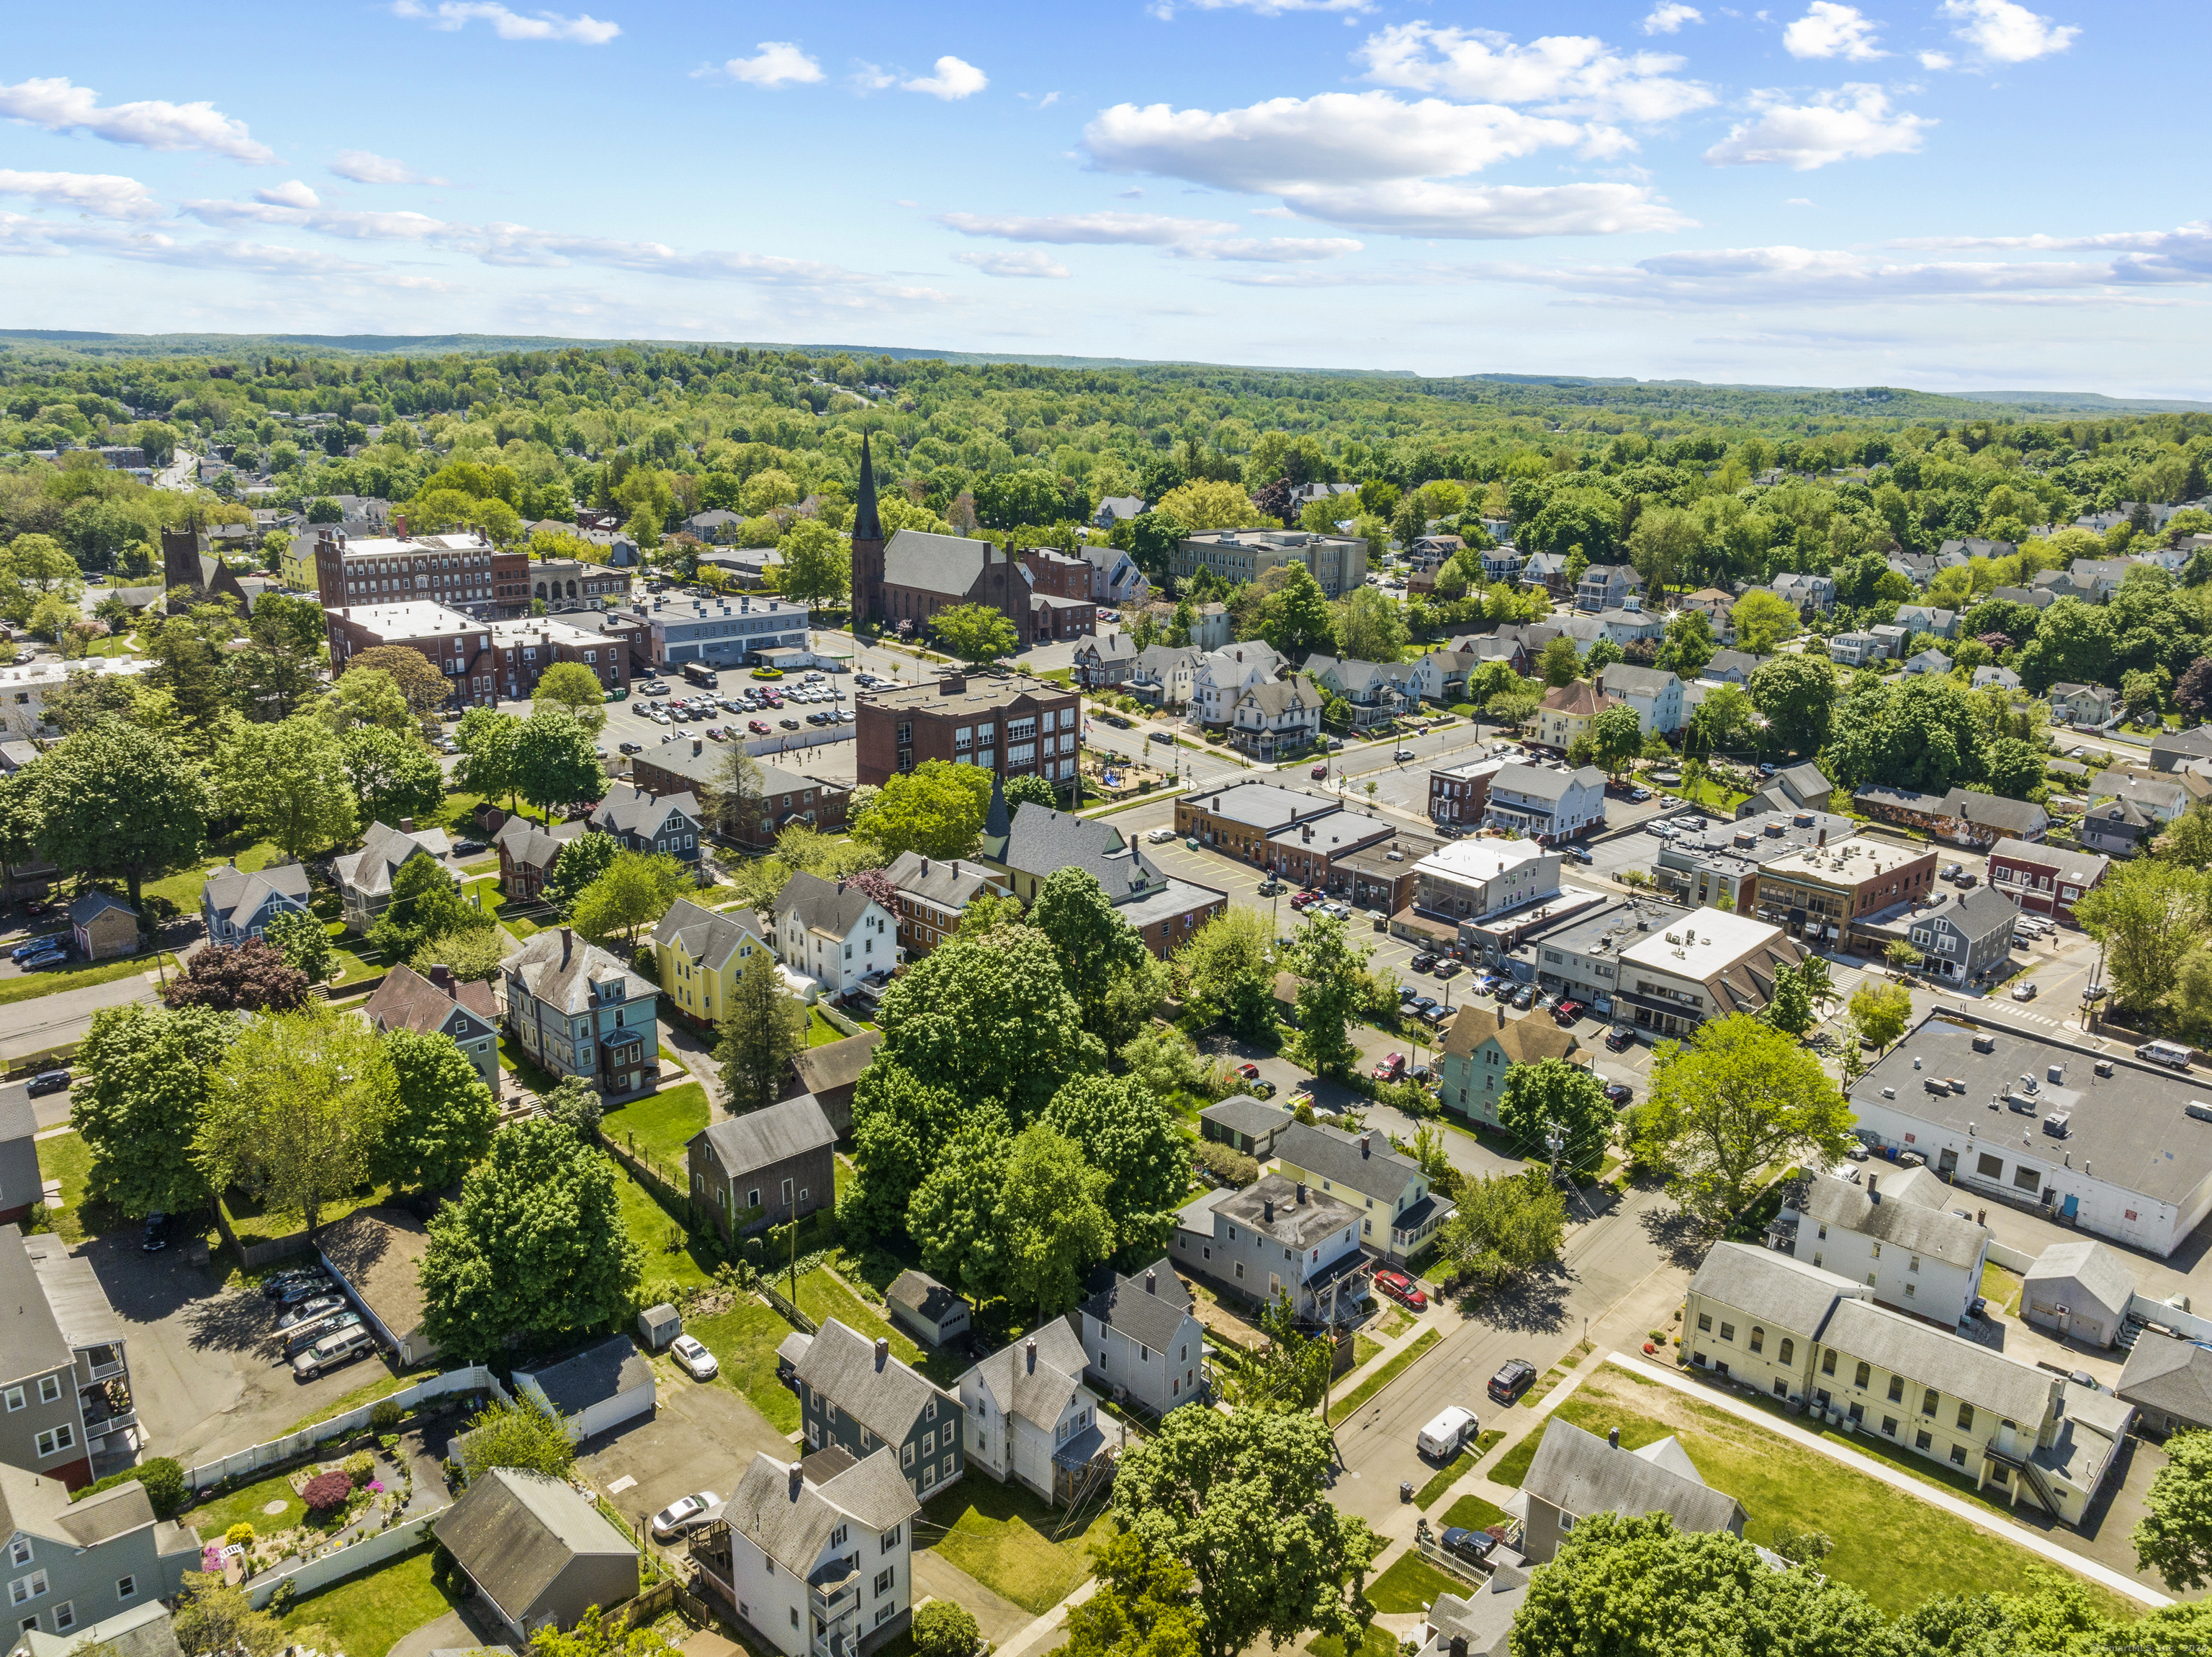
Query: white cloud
[1850, 123]
[773, 63]
[1556, 74]
[1798, 201]
[367, 166]
[867, 78]
[583, 29]
[2005, 32]
[1271, 250]
[294, 194]
[2181, 255]
[953, 80]
[1164, 10]
[1830, 30]
[1491, 212]
[151, 124]
[1014, 263]
[1668, 17]
[1206, 239]
[100, 195]
[1934, 59]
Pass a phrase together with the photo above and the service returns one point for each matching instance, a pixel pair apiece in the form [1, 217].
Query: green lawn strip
[649, 1226]
[822, 1297]
[1513, 1466]
[1443, 1479]
[743, 1341]
[1374, 1642]
[369, 1392]
[67, 1158]
[32, 985]
[247, 1505]
[355, 959]
[1389, 1372]
[2001, 1287]
[367, 1615]
[1397, 1323]
[1471, 1512]
[526, 1068]
[820, 1033]
[1894, 1548]
[661, 1125]
[1411, 1584]
[252, 1224]
[1361, 1349]
[1002, 1536]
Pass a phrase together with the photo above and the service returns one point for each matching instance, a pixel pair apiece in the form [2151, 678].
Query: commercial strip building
[1338, 562]
[2045, 879]
[719, 632]
[1011, 725]
[1722, 863]
[1821, 893]
[1466, 883]
[485, 661]
[1711, 965]
[1295, 834]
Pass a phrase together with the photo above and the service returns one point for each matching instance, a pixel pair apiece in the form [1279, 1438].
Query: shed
[657, 1325]
[105, 926]
[2079, 1290]
[2169, 1382]
[599, 1388]
[925, 1308]
[376, 1255]
[1245, 1123]
[537, 1550]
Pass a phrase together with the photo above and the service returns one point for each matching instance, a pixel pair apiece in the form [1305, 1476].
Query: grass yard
[247, 1504]
[183, 889]
[1894, 1549]
[820, 1033]
[1389, 1372]
[251, 1223]
[1002, 1536]
[367, 1615]
[743, 1341]
[1374, 1642]
[32, 985]
[1396, 1325]
[369, 1392]
[1361, 1349]
[1443, 1478]
[1471, 1512]
[2001, 1288]
[1411, 1584]
[67, 1158]
[822, 1297]
[1551, 1377]
[661, 1124]
[649, 1227]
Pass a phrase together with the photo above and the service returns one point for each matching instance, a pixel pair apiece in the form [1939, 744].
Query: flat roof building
[1711, 965]
[1822, 892]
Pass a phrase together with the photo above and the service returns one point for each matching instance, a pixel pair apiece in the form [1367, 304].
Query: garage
[597, 1390]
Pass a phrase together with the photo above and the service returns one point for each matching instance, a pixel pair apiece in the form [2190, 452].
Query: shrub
[359, 1466]
[325, 1491]
[239, 1535]
[384, 1416]
[1231, 1167]
[942, 1628]
[163, 1478]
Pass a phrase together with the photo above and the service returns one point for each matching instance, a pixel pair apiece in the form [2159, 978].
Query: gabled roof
[2083, 869]
[1377, 1171]
[762, 1139]
[1542, 783]
[836, 1065]
[234, 891]
[633, 811]
[1581, 1474]
[1582, 697]
[711, 937]
[1617, 677]
[1037, 1386]
[883, 1395]
[1245, 1114]
[790, 1519]
[1920, 1352]
[1978, 912]
[2173, 1377]
[604, 1371]
[1774, 1287]
[2100, 1271]
[1934, 1232]
[934, 563]
[514, 1532]
[1283, 696]
[34, 1344]
[922, 1295]
[947, 882]
[559, 970]
[407, 1001]
[1043, 840]
[95, 903]
[831, 907]
[532, 845]
[1149, 1308]
[1524, 1041]
[382, 849]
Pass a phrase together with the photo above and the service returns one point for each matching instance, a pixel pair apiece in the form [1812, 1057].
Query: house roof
[2097, 1271]
[559, 970]
[1934, 1232]
[882, 1394]
[1036, 1392]
[1776, 1287]
[34, 1344]
[2173, 1377]
[1294, 1224]
[1965, 1369]
[947, 882]
[2083, 869]
[710, 936]
[1246, 1115]
[790, 1519]
[1542, 783]
[1042, 840]
[1282, 696]
[93, 905]
[407, 1001]
[382, 849]
[532, 844]
[1149, 1308]
[836, 1065]
[378, 1252]
[760, 1139]
[1372, 1169]
[598, 1372]
[832, 907]
[2195, 743]
[1580, 697]
[633, 811]
[922, 1295]
[514, 1532]
[1524, 1041]
[1996, 811]
[1620, 677]
[234, 891]
[1978, 912]
[1581, 1474]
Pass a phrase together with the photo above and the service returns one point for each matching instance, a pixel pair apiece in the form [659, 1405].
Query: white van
[1441, 1439]
[333, 1351]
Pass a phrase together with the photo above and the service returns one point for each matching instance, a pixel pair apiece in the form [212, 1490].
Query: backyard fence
[790, 1313]
[307, 1575]
[2011, 1259]
[253, 1257]
[2145, 1309]
[474, 1378]
[837, 1020]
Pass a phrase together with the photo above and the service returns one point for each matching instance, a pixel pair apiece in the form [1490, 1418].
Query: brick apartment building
[484, 661]
[460, 572]
[1301, 837]
[1825, 890]
[1458, 794]
[1061, 604]
[567, 583]
[1014, 726]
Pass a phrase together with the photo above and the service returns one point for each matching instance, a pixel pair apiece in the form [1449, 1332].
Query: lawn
[1002, 1536]
[1471, 1512]
[820, 1033]
[32, 985]
[382, 1386]
[367, 1615]
[822, 1297]
[649, 1227]
[1389, 1372]
[2001, 1288]
[183, 889]
[252, 1224]
[1374, 1642]
[1361, 1349]
[1896, 1550]
[67, 1158]
[1411, 1584]
[661, 1124]
[743, 1341]
[247, 1504]
[1443, 1478]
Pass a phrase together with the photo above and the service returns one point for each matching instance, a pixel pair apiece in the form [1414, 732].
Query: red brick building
[461, 572]
[485, 661]
[2045, 879]
[694, 766]
[1457, 794]
[1012, 726]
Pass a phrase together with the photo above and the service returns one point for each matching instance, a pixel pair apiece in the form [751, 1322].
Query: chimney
[407, 826]
[798, 1482]
[1029, 1354]
[443, 978]
[1151, 1281]
[567, 942]
[1365, 1134]
[883, 1351]
[1268, 1210]
[1613, 1436]
[1301, 1193]
[399, 523]
[1981, 1216]
[1873, 1180]
[1458, 1646]
[925, 867]
[1822, 840]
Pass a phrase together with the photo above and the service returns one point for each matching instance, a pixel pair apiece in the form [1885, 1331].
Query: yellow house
[296, 567]
[699, 952]
[1565, 714]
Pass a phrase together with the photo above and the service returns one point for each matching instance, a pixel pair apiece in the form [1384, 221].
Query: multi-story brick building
[1298, 835]
[484, 661]
[2045, 879]
[1457, 794]
[1338, 563]
[567, 583]
[461, 572]
[693, 765]
[1014, 726]
[1822, 892]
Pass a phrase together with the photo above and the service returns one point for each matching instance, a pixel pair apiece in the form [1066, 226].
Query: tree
[1689, 645]
[247, 977]
[1226, 972]
[1030, 790]
[1616, 738]
[555, 763]
[2194, 690]
[737, 800]
[1797, 694]
[1323, 955]
[942, 1628]
[394, 777]
[1664, 541]
[303, 941]
[1559, 665]
[2148, 914]
[575, 866]
[976, 633]
[1144, 1605]
[487, 738]
[471, 954]
[35, 568]
[536, 1242]
[1801, 992]
[424, 688]
[571, 688]
[425, 904]
[1505, 1225]
[1369, 625]
[1097, 947]
[763, 1029]
[1298, 617]
[290, 784]
[1725, 721]
[117, 800]
[1554, 1096]
[216, 1616]
[1121, 1129]
[2187, 840]
[442, 1116]
[818, 563]
[2074, 642]
[1920, 733]
[899, 1129]
[988, 1019]
[2174, 1538]
[524, 1435]
[1240, 1500]
[1207, 505]
[1762, 620]
[1054, 1225]
[365, 696]
[140, 1100]
[575, 1104]
[1739, 1099]
[296, 1108]
[936, 809]
[1289, 1371]
[2012, 768]
[1901, 955]
[636, 891]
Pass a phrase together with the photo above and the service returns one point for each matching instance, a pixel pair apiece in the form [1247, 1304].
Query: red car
[1390, 1068]
[1320, 770]
[758, 726]
[1304, 900]
[1402, 1288]
[1567, 1011]
[1250, 1072]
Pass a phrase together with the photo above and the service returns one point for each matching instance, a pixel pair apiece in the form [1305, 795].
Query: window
[1865, 1377]
[752, 1198]
[25, 1588]
[1728, 1331]
[1828, 1363]
[1928, 1402]
[1758, 1338]
[2026, 1178]
[948, 1467]
[1921, 1440]
[1789, 1351]
[1889, 1426]
[1877, 1251]
[906, 1455]
[19, 1551]
[882, 1583]
[837, 1536]
[1965, 1417]
[890, 1539]
[1909, 1289]
[929, 1443]
[125, 1586]
[794, 1617]
[1914, 1264]
[1990, 1168]
[50, 1389]
[1958, 1455]
[56, 1439]
[64, 1616]
[1896, 1388]
[1704, 1323]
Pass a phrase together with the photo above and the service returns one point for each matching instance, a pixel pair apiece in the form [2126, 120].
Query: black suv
[1509, 1383]
[1422, 962]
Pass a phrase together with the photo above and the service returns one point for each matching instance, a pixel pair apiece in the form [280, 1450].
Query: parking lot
[702, 1437]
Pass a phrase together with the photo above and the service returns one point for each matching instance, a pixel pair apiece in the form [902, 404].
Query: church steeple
[866, 525]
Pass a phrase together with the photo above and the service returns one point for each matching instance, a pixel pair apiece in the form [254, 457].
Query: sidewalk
[2041, 1545]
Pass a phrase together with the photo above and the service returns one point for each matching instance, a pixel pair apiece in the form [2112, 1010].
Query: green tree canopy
[936, 809]
[1797, 694]
[393, 776]
[140, 1101]
[1554, 1096]
[636, 891]
[115, 800]
[291, 784]
[989, 1020]
[1122, 1129]
[555, 762]
[763, 1028]
[575, 866]
[442, 1114]
[974, 632]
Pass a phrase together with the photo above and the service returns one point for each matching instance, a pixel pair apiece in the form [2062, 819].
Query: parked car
[698, 1363]
[1568, 1011]
[1639, 796]
[48, 1082]
[1621, 1037]
[1319, 770]
[1390, 1067]
[301, 1336]
[2025, 991]
[278, 1282]
[1512, 1380]
[1578, 854]
[1619, 1093]
[1475, 1547]
[1965, 880]
[1450, 969]
[1260, 1089]
[684, 1513]
[1401, 755]
[1249, 1071]
[1423, 962]
[1527, 998]
[1402, 1288]
[333, 1350]
[307, 1311]
[304, 1288]
[1160, 837]
[1952, 871]
[1422, 1004]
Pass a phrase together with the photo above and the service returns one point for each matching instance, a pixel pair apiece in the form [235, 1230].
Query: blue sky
[1950, 194]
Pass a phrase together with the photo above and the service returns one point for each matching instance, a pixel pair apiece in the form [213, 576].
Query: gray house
[441, 1005]
[766, 1167]
[577, 1011]
[1245, 1123]
[1277, 1239]
[2170, 1382]
[1398, 1212]
[236, 907]
[2079, 1291]
[1576, 1474]
[71, 1565]
[538, 1549]
[853, 1394]
[21, 1185]
[1967, 935]
[1140, 1338]
[650, 823]
[1034, 1423]
[364, 877]
[64, 1384]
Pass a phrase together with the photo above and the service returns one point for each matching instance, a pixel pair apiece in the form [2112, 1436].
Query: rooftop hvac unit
[1988, 1044]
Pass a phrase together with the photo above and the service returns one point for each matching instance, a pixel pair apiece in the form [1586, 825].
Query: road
[182, 473]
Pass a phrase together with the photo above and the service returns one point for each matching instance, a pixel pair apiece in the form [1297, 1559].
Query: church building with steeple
[913, 575]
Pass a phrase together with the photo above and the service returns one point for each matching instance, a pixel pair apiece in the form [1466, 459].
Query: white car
[686, 1513]
[698, 1363]
[1160, 837]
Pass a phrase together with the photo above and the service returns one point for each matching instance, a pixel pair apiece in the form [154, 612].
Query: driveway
[702, 1437]
[56, 1020]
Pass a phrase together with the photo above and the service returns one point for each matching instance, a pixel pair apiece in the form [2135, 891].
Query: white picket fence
[474, 1378]
[309, 1575]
